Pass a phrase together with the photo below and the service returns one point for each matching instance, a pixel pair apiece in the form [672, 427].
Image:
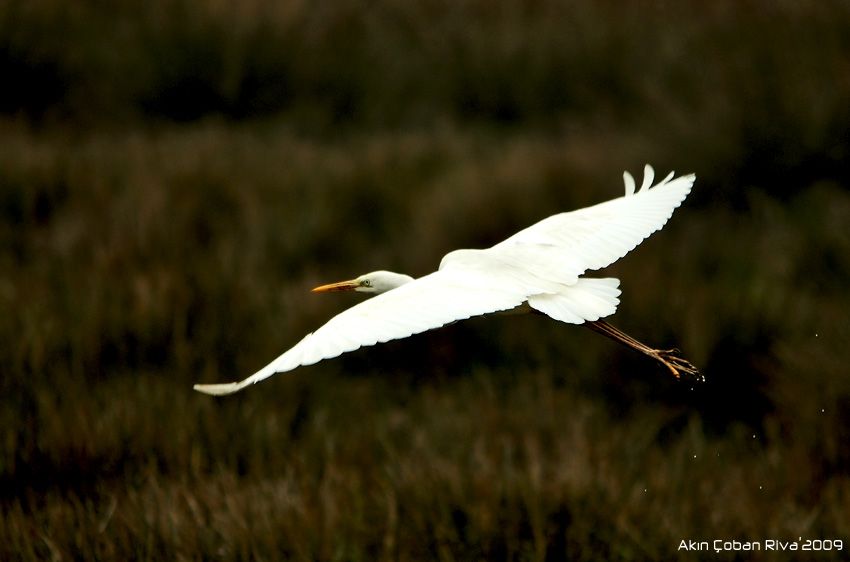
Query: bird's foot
[677, 365]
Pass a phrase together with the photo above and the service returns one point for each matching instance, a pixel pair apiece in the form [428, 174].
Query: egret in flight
[539, 269]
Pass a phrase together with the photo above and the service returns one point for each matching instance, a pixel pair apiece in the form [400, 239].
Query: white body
[541, 265]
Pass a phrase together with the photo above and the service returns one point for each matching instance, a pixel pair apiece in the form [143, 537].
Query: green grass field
[176, 175]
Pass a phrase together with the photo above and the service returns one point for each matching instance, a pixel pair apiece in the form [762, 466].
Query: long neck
[384, 281]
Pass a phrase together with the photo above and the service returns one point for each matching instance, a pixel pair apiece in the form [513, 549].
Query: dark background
[175, 175]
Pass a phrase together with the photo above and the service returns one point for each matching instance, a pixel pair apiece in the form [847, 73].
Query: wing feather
[429, 302]
[564, 246]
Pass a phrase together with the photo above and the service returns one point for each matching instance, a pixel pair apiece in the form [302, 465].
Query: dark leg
[668, 358]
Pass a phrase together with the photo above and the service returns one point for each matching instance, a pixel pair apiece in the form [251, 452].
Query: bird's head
[375, 282]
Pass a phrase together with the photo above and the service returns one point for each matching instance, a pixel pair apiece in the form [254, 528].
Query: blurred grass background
[175, 175]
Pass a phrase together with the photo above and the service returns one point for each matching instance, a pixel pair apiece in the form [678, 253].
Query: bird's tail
[586, 300]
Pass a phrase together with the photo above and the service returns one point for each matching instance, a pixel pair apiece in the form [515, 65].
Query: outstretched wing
[429, 302]
[563, 246]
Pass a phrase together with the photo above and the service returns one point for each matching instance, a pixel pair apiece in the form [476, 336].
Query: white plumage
[540, 265]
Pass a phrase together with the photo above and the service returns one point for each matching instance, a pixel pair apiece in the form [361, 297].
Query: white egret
[539, 269]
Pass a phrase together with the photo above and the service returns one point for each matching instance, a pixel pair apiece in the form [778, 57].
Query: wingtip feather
[219, 389]
[648, 177]
[630, 183]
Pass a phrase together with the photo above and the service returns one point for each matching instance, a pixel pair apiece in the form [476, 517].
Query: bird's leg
[669, 357]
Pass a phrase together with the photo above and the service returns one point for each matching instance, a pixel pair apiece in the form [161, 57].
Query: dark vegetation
[175, 176]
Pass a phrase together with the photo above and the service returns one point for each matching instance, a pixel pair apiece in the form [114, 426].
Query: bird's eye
[366, 283]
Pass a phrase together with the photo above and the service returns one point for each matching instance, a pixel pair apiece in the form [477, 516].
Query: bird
[539, 269]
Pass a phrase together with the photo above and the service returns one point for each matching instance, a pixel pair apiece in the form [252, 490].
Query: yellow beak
[341, 286]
